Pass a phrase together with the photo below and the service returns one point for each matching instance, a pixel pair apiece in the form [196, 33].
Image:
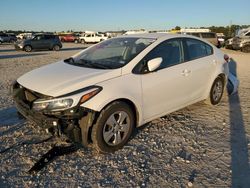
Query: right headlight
[54, 105]
[65, 102]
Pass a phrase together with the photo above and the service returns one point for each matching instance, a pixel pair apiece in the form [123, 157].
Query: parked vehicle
[229, 43]
[7, 37]
[209, 36]
[23, 36]
[101, 94]
[40, 42]
[92, 38]
[69, 38]
[242, 41]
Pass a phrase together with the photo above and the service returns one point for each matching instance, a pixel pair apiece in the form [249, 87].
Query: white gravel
[199, 146]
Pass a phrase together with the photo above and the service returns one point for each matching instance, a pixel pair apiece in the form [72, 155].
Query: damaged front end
[75, 122]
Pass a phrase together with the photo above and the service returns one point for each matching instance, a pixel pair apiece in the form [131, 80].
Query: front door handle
[186, 72]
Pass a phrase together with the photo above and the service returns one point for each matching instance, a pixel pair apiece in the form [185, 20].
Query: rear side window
[197, 49]
[208, 35]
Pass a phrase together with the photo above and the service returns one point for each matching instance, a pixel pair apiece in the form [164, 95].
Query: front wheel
[27, 48]
[113, 127]
[216, 91]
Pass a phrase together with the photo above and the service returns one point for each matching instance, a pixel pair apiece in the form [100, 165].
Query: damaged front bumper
[75, 123]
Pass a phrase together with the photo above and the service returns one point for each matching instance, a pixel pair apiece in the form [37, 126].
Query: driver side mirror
[154, 64]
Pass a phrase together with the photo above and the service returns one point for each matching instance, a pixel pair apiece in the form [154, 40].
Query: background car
[40, 42]
[22, 36]
[7, 37]
[92, 38]
[69, 38]
[209, 36]
[242, 41]
[228, 43]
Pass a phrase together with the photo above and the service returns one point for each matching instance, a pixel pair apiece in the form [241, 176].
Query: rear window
[208, 35]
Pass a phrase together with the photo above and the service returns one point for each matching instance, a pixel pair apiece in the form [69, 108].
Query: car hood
[61, 78]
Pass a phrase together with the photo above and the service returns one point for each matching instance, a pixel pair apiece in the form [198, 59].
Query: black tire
[76, 41]
[103, 126]
[56, 47]
[216, 91]
[27, 48]
[83, 41]
[246, 48]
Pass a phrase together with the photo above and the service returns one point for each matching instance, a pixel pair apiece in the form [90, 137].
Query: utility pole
[230, 29]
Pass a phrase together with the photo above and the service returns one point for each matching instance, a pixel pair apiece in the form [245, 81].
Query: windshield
[111, 54]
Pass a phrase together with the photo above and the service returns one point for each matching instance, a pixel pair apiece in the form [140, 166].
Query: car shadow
[21, 55]
[238, 140]
[10, 119]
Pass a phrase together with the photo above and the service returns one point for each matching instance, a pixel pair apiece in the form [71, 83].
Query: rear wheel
[113, 127]
[27, 48]
[56, 47]
[216, 91]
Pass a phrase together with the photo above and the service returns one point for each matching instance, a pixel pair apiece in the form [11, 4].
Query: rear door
[201, 64]
[38, 42]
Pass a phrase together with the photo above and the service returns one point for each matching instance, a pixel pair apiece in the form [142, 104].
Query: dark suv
[7, 37]
[40, 42]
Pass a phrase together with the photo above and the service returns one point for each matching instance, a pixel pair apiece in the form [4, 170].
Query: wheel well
[130, 103]
[127, 101]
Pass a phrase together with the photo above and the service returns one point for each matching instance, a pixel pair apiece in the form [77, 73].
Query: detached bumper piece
[74, 123]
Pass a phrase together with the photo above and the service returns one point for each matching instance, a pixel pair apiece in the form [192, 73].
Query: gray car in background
[7, 37]
[40, 42]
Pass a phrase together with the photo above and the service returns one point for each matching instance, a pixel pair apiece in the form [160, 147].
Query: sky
[104, 15]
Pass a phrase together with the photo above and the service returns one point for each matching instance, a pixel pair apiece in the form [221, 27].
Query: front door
[167, 88]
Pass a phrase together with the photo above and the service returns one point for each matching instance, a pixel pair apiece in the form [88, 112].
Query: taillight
[226, 57]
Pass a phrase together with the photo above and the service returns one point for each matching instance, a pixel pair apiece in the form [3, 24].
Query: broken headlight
[52, 105]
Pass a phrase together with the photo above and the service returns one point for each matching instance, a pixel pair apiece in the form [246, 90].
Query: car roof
[162, 36]
[157, 35]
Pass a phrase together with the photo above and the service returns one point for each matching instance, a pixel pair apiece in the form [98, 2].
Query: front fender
[124, 87]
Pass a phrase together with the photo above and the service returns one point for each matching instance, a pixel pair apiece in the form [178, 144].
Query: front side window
[170, 51]
[111, 54]
[197, 49]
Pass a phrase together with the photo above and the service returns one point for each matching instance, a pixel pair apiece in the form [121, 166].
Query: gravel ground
[198, 146]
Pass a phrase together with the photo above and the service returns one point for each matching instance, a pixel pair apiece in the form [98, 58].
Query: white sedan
[102, 93]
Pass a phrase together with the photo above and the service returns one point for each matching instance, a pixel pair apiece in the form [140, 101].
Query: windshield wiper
[93, 64]
[69, 60]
